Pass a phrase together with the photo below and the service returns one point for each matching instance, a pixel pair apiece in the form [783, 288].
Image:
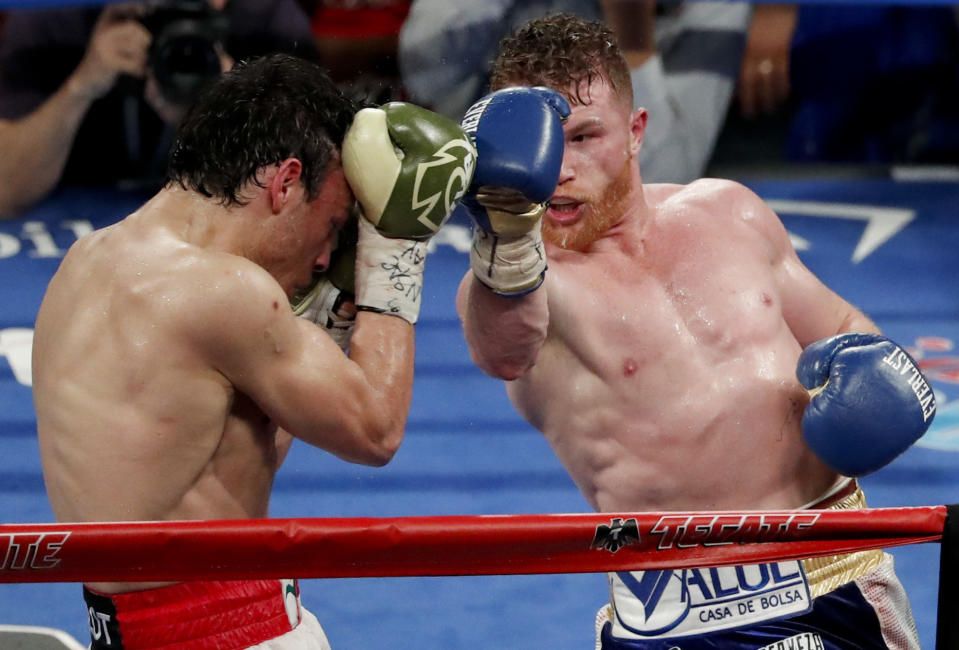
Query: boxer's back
[132, 418]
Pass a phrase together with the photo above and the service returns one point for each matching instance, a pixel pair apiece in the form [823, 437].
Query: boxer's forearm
[504, 334]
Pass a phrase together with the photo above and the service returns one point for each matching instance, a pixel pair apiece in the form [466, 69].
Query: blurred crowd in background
[87, 99]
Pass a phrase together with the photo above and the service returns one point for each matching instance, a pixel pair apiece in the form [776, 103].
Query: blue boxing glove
[869, 401]
[518, 133]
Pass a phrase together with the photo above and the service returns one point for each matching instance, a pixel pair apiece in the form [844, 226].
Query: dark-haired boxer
[169, 369]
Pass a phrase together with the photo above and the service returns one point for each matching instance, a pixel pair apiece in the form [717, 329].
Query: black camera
[184, 54]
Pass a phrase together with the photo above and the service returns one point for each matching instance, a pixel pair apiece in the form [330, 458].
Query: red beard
[599, 215]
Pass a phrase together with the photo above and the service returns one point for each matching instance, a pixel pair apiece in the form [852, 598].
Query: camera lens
[183, 66]
[184, 54]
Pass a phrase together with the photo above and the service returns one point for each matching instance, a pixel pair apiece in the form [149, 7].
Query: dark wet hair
[260, 113]
[562, 51]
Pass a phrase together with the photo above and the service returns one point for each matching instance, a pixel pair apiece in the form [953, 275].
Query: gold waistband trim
[832, 571]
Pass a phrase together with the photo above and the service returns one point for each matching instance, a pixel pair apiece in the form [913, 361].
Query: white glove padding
[510, 213]
[389, 273]
[322, 305]
[510, 258]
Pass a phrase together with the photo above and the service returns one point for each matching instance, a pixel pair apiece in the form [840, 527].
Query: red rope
[457, 545]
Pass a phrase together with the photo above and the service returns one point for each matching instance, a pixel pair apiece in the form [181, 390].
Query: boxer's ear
[284, 182]
[637, 129]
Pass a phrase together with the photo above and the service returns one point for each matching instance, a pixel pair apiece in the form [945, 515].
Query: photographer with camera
[91, 96]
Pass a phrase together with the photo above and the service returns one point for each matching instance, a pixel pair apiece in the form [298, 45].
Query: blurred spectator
[357, 42]
[446, 46]
[685, 58]
[79, 98]
[858, 84]
[763, 85]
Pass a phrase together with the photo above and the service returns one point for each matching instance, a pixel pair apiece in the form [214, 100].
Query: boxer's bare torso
[667, 381]
[134, 423]
[137, 418]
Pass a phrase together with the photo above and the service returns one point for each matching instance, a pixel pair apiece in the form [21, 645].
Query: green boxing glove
[328, 301]
[408, 168]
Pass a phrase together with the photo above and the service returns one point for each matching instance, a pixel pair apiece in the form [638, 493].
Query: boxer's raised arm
[519, 142]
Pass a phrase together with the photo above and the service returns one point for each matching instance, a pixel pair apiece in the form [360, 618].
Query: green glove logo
[436, 189]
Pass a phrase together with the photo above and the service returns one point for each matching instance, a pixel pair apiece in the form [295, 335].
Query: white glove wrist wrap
[319, 307]
[510, 266]
[389, 273]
